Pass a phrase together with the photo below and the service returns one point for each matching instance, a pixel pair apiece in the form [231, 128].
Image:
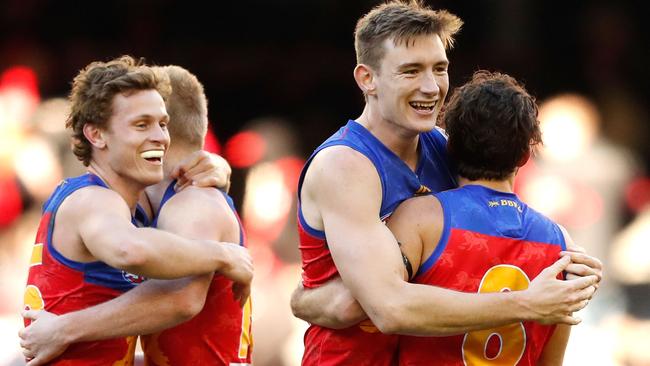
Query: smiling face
[137, 137]
[412, 83]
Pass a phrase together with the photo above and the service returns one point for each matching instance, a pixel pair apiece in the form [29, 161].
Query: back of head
[187, 107]
[492, 126]
[93, 90]
[400, 21]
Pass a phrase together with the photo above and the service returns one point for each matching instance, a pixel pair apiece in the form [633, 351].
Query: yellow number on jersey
[33, 299]
[512, 337]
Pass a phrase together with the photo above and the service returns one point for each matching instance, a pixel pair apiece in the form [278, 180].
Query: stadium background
[278, 76]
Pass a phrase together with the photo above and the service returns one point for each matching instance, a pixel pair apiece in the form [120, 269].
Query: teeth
[152, 154]
[423, 104]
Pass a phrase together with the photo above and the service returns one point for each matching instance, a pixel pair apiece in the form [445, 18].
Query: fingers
[177, 172]
[578, 306]
[191, 161]
[556, 267]
[582, 282]
[208, 179]
[37, 361]
[580, 270]
[570, 320]
[586, 259]
[30, 314]
[574, 248]
[29, 354]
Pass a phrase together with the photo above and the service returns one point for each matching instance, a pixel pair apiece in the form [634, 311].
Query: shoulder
[341, 158]
[89, 198]
[201, 206]
[341, 170]
[421, 211]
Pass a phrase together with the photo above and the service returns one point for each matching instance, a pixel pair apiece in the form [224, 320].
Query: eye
[411, 72]
[441, 68]
[163, 124]
[141, 124]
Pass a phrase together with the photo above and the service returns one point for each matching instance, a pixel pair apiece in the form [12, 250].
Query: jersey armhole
[442, 243]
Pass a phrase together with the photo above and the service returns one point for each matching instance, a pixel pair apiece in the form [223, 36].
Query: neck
[130, 191]
[507, 185]
[400, 141]
[173, 158]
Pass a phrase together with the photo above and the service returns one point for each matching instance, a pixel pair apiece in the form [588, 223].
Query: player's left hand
[241, 292]
[41, 341]
[582, 264]
[203, 169]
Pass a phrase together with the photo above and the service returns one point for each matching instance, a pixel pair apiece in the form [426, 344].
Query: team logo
[422, 190]
[133, 278]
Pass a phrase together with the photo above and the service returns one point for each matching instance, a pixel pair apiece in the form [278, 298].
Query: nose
[159, 134]
[429, 84]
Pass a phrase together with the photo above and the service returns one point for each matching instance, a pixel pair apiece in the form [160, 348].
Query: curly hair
[400, 21]
[492, 125]
[93, 89]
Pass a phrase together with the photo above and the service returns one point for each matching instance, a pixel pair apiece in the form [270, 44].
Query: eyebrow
[148, 116]
[418, 65]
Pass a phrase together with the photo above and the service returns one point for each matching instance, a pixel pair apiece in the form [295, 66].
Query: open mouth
[423, 107]
[153, 156]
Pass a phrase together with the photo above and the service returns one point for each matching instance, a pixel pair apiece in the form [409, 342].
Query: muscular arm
[195, 213]
[330, 305]
[346, 189]
[553, 353]
[110, 237]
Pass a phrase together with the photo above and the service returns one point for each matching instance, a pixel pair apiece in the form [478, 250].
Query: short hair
[187, 107]
[400, 21]
[492, 125]
[93, 90]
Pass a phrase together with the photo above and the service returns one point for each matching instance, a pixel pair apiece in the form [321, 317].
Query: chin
[151, 179]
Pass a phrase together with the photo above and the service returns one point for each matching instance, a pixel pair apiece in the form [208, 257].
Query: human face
[412, 83]
[137, 137]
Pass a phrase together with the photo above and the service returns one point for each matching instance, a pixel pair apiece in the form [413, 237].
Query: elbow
[188, 304]
[387, 319]
[130, 256]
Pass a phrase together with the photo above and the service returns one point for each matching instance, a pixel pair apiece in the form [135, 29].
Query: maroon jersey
[491, 242]
[60, 285]
[219, 335]
[363, 344]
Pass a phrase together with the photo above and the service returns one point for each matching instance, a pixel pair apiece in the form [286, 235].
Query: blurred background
[278, 75]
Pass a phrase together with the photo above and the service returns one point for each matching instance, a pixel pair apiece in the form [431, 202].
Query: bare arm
[203, 169]
[553, 353]
[582, 264]
[110, 237]
[330, 305]
[195, 213]
[346, 188]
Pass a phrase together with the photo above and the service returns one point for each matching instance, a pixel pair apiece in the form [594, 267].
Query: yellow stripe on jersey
[37, 255]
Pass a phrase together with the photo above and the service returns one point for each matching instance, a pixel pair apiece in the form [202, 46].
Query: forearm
[131, 313]
[553, 353]
[433, 311]
[330, 306]
[159, 254]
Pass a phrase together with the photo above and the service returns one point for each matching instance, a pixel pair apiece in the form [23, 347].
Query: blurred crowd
[591, 174]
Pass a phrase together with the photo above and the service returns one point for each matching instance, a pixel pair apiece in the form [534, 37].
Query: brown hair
[92, 95]
[400, 21]
[187, 106]
[492, 125]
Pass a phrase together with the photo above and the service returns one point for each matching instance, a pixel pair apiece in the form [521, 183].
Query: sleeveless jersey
[363, 344]
[60, 285]
[219, 335]
[491, 242]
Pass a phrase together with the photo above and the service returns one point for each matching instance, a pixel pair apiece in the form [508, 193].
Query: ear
[94, 135]
[524, 159]
[365, 78]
